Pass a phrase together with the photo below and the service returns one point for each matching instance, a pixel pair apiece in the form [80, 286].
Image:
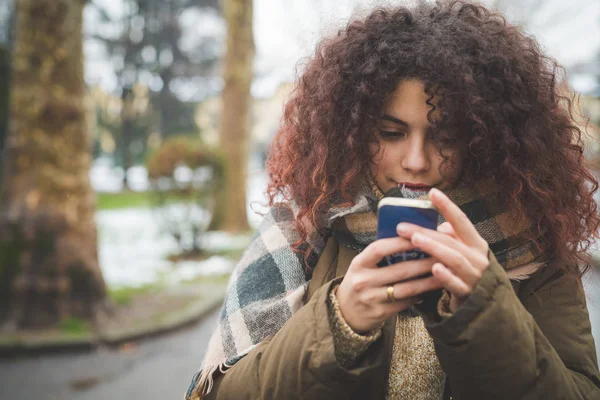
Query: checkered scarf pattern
[269, 283]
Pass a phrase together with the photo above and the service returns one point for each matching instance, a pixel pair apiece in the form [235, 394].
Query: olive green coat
[509, 340]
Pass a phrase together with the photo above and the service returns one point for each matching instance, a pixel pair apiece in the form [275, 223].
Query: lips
[415, 186]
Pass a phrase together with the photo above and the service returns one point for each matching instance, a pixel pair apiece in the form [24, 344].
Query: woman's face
[406, 154]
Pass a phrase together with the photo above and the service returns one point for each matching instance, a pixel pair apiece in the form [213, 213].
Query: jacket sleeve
[348, 345]
[497, 347]
[299, 362]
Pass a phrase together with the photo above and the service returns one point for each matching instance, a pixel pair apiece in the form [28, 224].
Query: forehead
[408, 102]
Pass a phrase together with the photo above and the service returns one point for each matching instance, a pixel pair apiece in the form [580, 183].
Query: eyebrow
[398, 121]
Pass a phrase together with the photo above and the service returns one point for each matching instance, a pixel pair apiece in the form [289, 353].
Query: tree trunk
[5, 51]
[165, 102]
[127, 125]
[47, 230]
[230, 213]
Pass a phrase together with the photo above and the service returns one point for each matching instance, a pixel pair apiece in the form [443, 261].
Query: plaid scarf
[269, 283]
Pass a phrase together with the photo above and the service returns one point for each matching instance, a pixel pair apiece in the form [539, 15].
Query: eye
[441, 138]
[444, 141]
[447, 141]
[392, 135]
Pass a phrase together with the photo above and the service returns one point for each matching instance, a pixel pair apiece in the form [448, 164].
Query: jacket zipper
[446, 390]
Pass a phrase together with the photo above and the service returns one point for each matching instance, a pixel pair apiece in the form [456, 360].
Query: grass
[73, 326]
[210, 279]
[124, 295]
[189, 256]
[234, 254]
[129, 199]
[113, 201]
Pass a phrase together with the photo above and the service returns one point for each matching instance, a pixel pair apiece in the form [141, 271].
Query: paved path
[159, 368]
[155, 369]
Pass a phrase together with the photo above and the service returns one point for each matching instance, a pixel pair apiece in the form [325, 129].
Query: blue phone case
[389, 216]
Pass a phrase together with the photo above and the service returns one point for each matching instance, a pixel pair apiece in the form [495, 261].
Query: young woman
[446, 101]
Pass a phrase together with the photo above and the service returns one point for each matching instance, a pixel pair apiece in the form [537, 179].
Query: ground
[159, 368]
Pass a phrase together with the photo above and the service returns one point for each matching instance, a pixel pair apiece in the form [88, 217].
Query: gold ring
[390, 294]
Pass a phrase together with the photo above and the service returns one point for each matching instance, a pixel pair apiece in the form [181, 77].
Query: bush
[183, 151]
[185, 175]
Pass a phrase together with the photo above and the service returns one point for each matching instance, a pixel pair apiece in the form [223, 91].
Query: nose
[416, 159]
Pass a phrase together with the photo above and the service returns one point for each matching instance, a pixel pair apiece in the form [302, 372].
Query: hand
[461, 251]
[362, 295]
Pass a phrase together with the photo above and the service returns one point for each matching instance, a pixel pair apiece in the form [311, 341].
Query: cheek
[375, 149]
[378, 156]
[452, 168]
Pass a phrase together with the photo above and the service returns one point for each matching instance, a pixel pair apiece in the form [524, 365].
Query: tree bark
[127, 126]
[230, 213]
[48, 240]
[5, 52]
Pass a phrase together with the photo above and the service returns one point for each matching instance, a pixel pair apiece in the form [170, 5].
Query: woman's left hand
[462, 252]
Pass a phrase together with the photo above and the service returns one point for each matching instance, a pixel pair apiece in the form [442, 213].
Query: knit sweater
[415, 372]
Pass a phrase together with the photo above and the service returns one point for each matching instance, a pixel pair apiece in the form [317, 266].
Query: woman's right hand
[362, 295]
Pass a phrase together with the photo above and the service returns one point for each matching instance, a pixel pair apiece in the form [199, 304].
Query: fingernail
[402, 228]
[433, 192]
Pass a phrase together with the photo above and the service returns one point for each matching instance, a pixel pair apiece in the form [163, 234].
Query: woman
[442, 100]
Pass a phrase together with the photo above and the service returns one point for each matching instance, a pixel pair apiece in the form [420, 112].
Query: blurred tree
[48, 239]
[107, 114]
[230, 213]
[124, 51]
[6, 23]
[152, 49]
[187, 172]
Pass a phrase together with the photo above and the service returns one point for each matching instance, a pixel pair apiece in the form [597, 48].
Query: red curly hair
[499, 98]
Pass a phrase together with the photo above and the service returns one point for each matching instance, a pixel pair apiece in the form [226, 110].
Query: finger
[450, 257]
[401, 271]
[379, 295]
[376, 251]
[415, 287]
[474, 256]
[446, 228]
[451, 282]
[463, 227]
[400, 305]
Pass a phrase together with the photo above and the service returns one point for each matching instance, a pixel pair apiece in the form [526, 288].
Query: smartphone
[393, 210]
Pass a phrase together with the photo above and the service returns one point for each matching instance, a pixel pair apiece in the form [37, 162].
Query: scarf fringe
[205, 381]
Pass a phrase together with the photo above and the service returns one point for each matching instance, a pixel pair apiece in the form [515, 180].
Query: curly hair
[499, 98]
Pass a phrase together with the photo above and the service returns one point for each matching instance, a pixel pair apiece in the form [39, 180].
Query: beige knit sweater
[415, 372]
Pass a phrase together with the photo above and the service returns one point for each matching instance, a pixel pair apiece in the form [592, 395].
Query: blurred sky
[287, 30]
